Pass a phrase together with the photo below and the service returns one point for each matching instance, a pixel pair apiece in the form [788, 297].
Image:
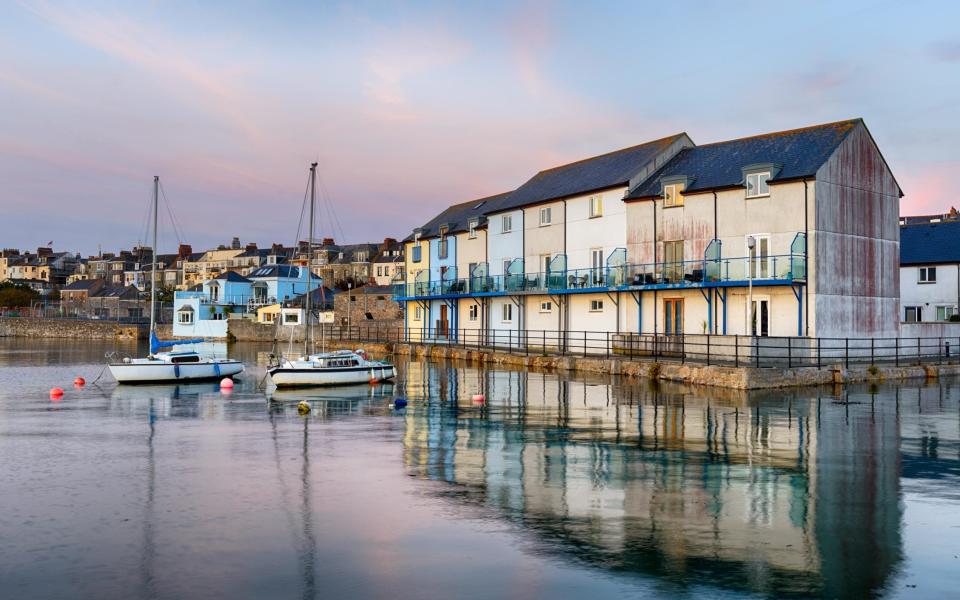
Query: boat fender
[176, 371]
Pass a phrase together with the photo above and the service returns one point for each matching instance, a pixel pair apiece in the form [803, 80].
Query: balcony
[786, 269]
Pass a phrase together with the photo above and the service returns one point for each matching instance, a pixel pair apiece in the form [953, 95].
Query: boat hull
[160, 372]
[310, 377]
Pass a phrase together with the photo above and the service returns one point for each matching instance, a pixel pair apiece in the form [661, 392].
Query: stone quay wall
[69, 329]
[739, 378]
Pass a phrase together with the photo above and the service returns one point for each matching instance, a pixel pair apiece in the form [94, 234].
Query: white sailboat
[163, 367]
[327, 368]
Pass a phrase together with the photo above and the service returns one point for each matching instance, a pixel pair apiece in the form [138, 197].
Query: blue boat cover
[156, 344]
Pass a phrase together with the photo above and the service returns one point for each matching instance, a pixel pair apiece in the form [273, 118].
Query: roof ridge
[612, 152]
[784, 132]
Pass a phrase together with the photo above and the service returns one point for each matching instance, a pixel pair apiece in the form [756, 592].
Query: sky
[409, 107]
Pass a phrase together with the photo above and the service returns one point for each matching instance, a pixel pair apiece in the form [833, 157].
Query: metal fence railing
[732, 350]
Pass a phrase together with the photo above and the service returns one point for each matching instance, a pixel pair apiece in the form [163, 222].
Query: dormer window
[756, 184]
[472, 231]
[672, 195]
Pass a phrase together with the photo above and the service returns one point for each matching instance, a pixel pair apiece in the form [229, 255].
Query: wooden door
[443, 324]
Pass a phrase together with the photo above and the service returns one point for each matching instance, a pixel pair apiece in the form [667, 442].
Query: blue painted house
[205, 310]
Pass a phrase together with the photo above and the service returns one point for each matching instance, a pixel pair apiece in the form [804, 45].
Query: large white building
[669, 238]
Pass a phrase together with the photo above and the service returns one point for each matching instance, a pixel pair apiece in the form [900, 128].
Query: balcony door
[759, 256]
[596, 266]
[673, 261]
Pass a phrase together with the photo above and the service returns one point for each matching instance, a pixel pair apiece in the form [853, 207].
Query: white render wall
[928, 296]
[502, 246]
[608, 231]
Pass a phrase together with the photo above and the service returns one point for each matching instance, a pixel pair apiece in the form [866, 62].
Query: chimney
[235, 244]
[184, 250]
[388, 243]
[44, 251]
[328, 242]
[251, 247]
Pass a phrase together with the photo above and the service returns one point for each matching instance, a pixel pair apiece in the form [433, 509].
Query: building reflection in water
[782, 492]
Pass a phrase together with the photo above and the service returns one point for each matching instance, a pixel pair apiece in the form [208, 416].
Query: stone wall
[355, 308]
[69, 329]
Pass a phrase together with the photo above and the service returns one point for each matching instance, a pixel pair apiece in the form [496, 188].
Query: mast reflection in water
[781, 492]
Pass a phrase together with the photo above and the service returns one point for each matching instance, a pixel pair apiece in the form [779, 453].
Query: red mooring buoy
[226, 383]
[79, 382]
[56, 393]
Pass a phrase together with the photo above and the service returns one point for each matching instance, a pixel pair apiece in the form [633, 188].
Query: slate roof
[81, 284]
[459, 215]
[587, 175]
[319, 297]
[719, 165]
[930, 243]
[233, 277]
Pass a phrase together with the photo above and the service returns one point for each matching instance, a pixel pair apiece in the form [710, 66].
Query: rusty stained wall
[692, 223]
[856, 243]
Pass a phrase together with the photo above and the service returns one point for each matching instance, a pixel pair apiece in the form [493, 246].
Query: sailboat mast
[313, 200]
[153, 257]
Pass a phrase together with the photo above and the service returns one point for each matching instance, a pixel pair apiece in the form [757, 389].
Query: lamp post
[751, 245]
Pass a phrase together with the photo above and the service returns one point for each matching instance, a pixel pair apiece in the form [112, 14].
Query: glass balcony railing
[692, 273]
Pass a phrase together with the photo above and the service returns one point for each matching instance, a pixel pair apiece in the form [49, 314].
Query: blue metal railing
[785, 268]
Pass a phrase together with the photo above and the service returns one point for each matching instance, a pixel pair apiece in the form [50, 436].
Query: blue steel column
[724, 300]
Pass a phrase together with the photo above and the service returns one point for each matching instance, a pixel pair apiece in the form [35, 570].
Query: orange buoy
[56, 393]
[79, 381]
[374, 381]
[226, 383]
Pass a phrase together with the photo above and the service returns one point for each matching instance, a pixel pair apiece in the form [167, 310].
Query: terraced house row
[669, 238]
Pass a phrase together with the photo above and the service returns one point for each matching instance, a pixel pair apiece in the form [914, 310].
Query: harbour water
[553, 487]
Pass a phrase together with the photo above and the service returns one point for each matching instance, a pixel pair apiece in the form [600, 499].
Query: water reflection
[787, 493]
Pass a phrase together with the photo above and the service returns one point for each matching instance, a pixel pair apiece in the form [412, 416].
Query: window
[218, 316]
[945, 312]
[379, 271]
[546, 307]
[506, 223]
[596, 305]
[546, 216]
[672, 196]
[914, 314]
[417, 314]
[416, 253]
[472, 233]
[442, 251]
[473, 312]
[928, 275]
[185, 317]
[545, 262]
[506, 266]
[757, 184]
[291, 318]
[507, 313]
[596, 206]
